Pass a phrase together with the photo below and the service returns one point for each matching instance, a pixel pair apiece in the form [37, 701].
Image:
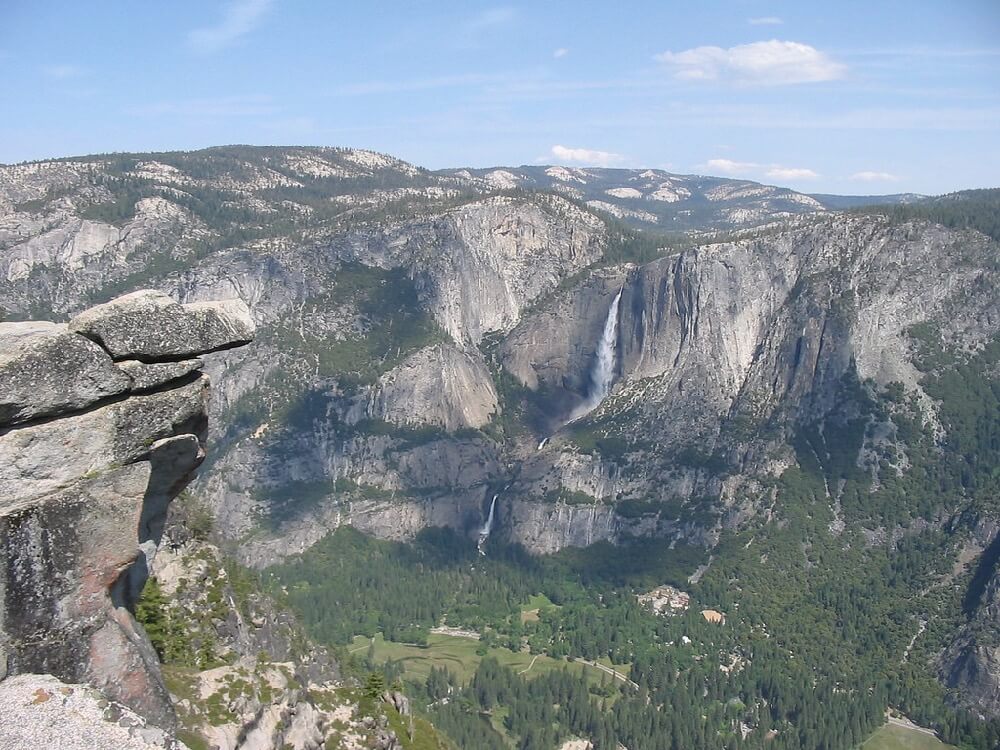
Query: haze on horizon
[853, 97]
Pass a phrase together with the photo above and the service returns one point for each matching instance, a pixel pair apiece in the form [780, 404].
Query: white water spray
[484, 533]
[603, 374]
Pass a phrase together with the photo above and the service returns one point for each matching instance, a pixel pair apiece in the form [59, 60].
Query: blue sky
[849, 97]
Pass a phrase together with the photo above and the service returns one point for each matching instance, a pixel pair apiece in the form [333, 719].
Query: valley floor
[462, 655]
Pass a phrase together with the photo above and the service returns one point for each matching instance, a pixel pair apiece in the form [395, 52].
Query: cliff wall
[103, 421]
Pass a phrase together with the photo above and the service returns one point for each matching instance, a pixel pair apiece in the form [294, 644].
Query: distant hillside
[655, 199]
[835, 202]
[966, 209]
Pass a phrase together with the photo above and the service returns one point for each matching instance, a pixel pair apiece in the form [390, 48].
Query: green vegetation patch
[894, 737]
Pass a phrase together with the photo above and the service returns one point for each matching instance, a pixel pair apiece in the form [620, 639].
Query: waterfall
[484, 533]
[603, 373]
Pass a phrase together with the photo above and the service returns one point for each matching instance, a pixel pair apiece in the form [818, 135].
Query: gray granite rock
[61, 558]
[149, 326]
[40, 711]
[149, 376]
[46, 370]
[38, 459]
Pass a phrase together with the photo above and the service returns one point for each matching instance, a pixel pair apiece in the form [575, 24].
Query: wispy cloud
[765, 21]
[227, 106]
[871, 176]
[239, 18]
[732, 168]
[561, 52]
[772, 63]
[63, 72]
[586, 156]
[791, 173]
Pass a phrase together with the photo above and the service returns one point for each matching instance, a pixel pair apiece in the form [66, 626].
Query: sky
[851, 97]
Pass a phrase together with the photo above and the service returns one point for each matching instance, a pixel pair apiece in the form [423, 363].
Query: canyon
[443, 348]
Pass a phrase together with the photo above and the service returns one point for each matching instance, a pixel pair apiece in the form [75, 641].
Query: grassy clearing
[529, 612]
[461, 657]
[893, 737]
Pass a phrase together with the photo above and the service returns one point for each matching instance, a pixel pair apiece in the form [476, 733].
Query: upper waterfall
[603, 373]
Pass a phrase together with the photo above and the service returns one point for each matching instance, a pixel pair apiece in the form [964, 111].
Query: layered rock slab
[88, 467]
[148, 325]
[45, 369]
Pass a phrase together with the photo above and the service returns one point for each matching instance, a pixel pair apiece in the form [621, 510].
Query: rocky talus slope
[103, 421]
[241, 671]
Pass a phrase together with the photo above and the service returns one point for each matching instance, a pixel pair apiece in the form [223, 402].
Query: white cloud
[790, 173]
[239, 18]
[728, 166]
[765, 21]
[868, 176]
[732, 168]
[770, 63]
[490, 19]
[586, 156]
[561, 52]
[62, 72]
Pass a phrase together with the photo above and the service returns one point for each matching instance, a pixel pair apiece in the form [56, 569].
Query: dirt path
[608, 670]
[907, 724]
[528, 668]
[359, 648]
[455, 632]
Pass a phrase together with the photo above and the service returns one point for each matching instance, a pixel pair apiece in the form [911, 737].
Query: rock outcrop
[149, 326]
[46, 369]
[92, 451]
[970, 665]
[440, 385]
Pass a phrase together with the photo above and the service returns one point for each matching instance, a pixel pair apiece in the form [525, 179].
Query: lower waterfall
[484, 533]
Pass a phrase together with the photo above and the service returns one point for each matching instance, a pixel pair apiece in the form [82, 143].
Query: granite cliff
[104, 421]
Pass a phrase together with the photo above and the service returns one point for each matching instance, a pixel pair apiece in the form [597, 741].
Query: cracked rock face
[91, 454]
[45, 369]
[441, 385]
[148, 325]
